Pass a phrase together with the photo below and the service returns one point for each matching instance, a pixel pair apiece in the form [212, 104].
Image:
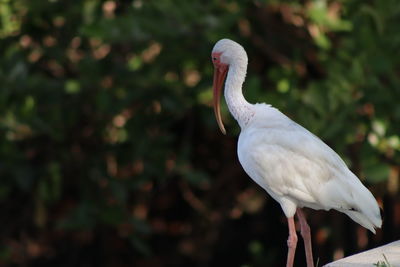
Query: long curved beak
[219, 77]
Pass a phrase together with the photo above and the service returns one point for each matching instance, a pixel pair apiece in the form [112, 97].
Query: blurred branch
[192, 200]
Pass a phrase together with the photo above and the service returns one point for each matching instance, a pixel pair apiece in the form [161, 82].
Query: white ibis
[293, 165]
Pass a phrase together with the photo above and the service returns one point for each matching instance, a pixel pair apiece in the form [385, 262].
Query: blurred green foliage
[106, 130]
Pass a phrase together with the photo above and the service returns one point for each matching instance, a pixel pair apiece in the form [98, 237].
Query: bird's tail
[366, 211]
[364, 221]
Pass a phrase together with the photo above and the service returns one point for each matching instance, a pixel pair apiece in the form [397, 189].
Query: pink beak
[219, 77]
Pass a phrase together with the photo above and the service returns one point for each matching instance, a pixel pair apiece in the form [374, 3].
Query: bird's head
[226, 53]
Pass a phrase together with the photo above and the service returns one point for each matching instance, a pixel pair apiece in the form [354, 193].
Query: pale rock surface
[371, 257]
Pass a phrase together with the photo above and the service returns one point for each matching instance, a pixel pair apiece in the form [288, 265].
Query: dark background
[109, 151]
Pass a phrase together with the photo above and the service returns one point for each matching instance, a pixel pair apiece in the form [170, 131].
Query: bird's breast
[249, 141]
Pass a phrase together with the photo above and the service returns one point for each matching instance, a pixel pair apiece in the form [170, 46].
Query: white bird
[294, 166]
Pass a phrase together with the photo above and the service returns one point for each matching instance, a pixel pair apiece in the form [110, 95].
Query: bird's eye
[214, 59]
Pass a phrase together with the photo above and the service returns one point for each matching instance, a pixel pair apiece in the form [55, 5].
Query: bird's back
[299, 170]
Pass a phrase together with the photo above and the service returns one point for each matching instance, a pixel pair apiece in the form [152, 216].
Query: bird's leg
[306, 234]
[291, 242]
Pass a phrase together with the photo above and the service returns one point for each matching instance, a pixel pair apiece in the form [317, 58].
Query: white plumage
[293, 165]
[299, 170]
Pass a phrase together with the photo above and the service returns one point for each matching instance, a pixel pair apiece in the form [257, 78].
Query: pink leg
[306, 234]
[291, 242]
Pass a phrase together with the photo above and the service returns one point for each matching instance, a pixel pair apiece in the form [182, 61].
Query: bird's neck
[241, 110]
